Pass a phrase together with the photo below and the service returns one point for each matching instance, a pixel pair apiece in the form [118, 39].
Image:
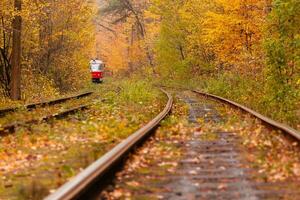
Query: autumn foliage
[246, 50]
[57, 42]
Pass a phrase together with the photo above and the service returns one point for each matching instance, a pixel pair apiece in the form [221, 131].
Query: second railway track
[10, 126]
[30, 106]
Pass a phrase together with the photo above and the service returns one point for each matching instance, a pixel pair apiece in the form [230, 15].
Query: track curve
[283, 127]
[294, 133]
[78, 184]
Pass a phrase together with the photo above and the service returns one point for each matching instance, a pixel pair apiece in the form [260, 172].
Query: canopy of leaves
[57, 42]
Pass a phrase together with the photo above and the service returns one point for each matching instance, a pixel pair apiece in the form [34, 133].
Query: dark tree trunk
[15, 89]
[5, 64]
[181, 52]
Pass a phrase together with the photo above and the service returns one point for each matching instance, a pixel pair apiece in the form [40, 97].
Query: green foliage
[243, 89]
[250, 92]
[68, 170]
[282, 46]
[134, 91]
[171, 46]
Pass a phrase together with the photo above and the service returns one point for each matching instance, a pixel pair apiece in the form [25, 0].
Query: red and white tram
[96, 68]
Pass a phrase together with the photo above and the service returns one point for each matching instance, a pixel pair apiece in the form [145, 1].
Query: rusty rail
[11, 127]
[294, 133]
[96, 170]
[4, 111]
[283, 127]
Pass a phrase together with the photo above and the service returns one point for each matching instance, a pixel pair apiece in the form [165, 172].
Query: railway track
[283, 127]
[218, 167]
[10, 127]
[286, 129]
[223, 172]
[31, 106]
[79, 184]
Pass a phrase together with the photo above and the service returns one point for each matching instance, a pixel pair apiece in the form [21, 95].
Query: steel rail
[292, 132]
[283, 127]
[96, 170]
[43, 103]
[10, 128]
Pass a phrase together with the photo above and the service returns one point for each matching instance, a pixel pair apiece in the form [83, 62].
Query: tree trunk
[15, 89]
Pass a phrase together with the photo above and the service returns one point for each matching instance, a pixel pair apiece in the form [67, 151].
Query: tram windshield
[96, 65]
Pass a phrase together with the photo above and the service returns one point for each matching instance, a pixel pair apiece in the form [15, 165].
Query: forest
[56, 40]
[149, 99]
[245, 50]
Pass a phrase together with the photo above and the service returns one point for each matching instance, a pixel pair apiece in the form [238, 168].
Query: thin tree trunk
[181, 52]
[15, 89]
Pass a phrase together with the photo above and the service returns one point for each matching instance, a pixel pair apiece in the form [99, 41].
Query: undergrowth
[249, 91]
[137, 91]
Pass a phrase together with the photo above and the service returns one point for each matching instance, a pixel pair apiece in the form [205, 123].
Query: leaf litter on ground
[49, 154]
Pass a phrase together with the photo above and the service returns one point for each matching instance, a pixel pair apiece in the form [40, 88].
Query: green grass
[247, 90]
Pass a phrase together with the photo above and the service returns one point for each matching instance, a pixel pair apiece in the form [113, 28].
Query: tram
[97, 68]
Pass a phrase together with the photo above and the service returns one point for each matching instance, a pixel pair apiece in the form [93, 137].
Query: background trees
[218, 44]
[57, 42]
[246, 50]
[125, 35]
[15, 85]
[227, 34]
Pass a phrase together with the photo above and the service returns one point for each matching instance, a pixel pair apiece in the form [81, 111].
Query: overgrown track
[4, 111]
[212, 150]
[78, 185]
[10, 128]
[219, 160]
[214, 161]
[283, 127]
[286, 129]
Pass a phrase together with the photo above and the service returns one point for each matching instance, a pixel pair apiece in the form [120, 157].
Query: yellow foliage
[127, 45]
[57, 40]
[234, 30]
